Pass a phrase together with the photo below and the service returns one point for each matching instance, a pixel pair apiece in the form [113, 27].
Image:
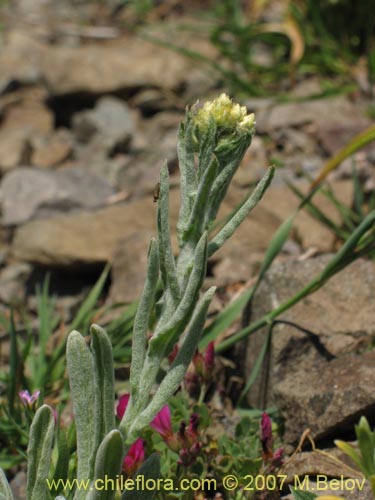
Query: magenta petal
[137, 450]
[122, 405]
[134, 457]
[266, 428]
[278, 454]
[162, 422]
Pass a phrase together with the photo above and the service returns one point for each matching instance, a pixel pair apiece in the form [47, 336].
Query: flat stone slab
[328, 400]
[341, 316]
[28, 193]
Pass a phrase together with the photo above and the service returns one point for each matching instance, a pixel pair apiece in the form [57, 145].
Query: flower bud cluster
[185, 442]
[266, 437]
[226, 114]
[201, 371]
[188, 438]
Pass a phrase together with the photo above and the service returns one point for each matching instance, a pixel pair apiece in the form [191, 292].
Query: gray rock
[303, 468]
[253, 165]
[129, 266]
[53, 149]
[151, 101]
[85, 237]
[122, 63]
[13, 283]
[331, 113]
[340, 314]
[26, 112]
[25, 118]
[95, 160]
[142, 170]
[95, 67]
[279, 203]
[19, 60]
[31, 192]
[18, 485]
[14, 149]
[329, 399]
[110, 123]
[334, 138]
[154, 144]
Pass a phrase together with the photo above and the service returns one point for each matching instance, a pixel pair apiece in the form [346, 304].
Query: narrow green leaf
[196, 222]
[223, 179]
[194, 331]
[349, 217]
[230, 227]
[82, 385]
[107, 466]
[176, 373]
[84, 313]
[366, 446]
[5, 491]
[354, 145]
[62, 465]
[258, 364]
[346, 251]
[342, 258]
[273, 249]
[302, 495]
[101, 348]
[166, 335]
[206, 148]
[167, 260]
[39, 453]
[318, 214]
[142, 316]
[225, 318]
[351, 452]
[13, 365]
[45, 314]
[358, 193]
[188, 181]
[276, 244]
[175, 326]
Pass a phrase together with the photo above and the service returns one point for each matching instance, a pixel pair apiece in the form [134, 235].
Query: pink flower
[134, 458]
[278, 455]
[267, 442]
[266, 436]
[266, 428]
[122, 405]
[162, 423]
[28, 400]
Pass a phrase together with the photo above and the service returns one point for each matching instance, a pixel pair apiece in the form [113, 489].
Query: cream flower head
[226, 114]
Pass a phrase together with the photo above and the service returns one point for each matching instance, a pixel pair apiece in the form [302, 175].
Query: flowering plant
[212, 143]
